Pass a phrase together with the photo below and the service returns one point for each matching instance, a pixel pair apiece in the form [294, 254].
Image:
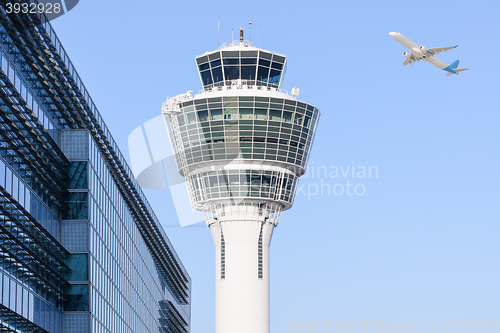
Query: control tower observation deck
[241, 144]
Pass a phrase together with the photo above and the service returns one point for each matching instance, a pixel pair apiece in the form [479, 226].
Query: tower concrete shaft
[241, 144]
[242, 239]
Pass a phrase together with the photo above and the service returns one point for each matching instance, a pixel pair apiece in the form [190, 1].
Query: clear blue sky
[422, 242]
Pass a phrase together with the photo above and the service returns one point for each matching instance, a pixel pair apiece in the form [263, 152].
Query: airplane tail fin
[456, 70]
[454, 64]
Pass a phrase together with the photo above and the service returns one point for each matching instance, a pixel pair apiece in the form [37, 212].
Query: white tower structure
[241, 144]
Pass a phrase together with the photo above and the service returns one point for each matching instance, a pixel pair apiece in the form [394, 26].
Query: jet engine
[407, 55]
[423, 49]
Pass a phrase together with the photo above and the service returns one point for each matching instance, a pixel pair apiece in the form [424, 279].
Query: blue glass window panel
[78, 263]
[19, 292]
[41, 320]
[8, 180]
[37, 311]
[52, 319]
[77, 296]
[77, 203]
[31, 311]
[12, 295]
[77, 172]
[6, 293]
[58, 323]
[2, 173]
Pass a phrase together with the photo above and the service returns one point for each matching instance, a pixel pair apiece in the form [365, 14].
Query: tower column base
[242, 273]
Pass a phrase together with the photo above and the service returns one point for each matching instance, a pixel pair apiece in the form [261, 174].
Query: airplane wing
[411, 60]
[437, 50]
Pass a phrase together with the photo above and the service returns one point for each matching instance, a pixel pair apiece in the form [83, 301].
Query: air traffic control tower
[241, 144]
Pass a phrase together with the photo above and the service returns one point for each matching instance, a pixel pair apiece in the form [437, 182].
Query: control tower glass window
[252, 67]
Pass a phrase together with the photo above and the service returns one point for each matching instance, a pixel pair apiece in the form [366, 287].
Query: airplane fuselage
[425, 56]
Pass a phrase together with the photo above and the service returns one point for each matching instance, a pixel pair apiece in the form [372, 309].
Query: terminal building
[81, 250]
[241, 143]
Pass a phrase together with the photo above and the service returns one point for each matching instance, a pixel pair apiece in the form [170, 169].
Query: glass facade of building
[80, 248]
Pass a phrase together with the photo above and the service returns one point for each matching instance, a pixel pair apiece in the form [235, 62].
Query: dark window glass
[266, 180]
[275, 115]
[263, 74]
[206, 77]
[248, 72]
[215, 63]
[264, 62]
[213, 56]
[249, 54]
[231, 61]
[307, 122]
[278, 58]
[217, 74]
[265, 55]
[77, 209]
[203, 67]
[201, 60]
[232, 72]
[77, 296]
[287, 116]
[277, 65]
[77, 172]
[256, 179]
[203, 115]
[78, 263]
[249, 61]
[261, 114]
[230, 54]
[274, 76]
[246, 113]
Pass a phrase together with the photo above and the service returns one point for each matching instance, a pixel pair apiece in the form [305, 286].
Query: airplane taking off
[425, 54]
